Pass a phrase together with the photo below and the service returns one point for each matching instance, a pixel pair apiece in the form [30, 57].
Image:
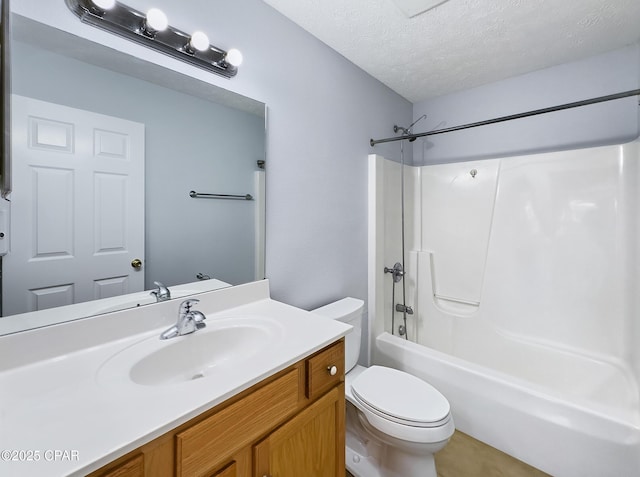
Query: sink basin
[222, 345]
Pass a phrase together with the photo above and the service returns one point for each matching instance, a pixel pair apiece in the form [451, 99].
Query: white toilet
[395, 421]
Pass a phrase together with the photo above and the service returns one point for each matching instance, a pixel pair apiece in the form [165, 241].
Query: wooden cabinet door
[239, 466]
[134, 467]
[229, 471]
[310, 445]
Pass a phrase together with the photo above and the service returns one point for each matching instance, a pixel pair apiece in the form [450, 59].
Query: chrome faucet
[188, 321]
[162, 293]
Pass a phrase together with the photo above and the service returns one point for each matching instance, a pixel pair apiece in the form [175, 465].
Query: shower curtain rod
[600, 99]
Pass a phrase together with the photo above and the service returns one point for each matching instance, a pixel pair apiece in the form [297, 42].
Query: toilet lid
[400, 397]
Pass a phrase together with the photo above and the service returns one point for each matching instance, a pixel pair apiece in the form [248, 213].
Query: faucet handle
[185, 306]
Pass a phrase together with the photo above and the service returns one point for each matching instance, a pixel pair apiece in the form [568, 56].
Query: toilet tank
[348, 310]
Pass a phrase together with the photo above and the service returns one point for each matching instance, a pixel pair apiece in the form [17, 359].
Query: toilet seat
[400, 397]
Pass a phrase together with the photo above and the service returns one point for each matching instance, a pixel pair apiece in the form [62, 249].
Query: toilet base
[368, 457]
[368, 466]
[397, 463]
[361, 465]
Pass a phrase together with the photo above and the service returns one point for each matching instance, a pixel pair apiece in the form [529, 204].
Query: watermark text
[37, 455]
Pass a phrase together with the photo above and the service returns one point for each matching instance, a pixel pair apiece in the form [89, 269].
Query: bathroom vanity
[290, 424]
[259, 391]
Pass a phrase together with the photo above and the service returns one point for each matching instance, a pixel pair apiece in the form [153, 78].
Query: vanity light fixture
[199, 41]
[233, 57]
[153, 30]
[104, 5]
[155, 21]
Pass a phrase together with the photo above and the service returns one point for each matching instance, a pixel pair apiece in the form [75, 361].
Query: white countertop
[59, 417]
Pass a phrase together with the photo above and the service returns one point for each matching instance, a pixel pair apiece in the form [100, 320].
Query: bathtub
[523, 277]
[523, 419]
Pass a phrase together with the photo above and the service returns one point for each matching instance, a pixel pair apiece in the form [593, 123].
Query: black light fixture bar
[130, 23]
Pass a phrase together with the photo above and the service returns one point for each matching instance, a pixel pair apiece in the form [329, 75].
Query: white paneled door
[77, 207]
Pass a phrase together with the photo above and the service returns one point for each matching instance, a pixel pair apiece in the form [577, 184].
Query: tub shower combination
[523, 275]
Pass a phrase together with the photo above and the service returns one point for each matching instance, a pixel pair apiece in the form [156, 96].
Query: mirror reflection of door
[77, 207]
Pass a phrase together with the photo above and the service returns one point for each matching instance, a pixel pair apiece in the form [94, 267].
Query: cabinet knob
[333, 370]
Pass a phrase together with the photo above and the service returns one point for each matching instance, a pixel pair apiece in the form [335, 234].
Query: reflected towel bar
[201, 195]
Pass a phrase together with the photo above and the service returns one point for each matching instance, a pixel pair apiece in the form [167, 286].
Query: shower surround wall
[524, 270]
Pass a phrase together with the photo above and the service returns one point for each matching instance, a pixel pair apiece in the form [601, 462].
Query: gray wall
[190, 144]
[604, 123]
[322, 111]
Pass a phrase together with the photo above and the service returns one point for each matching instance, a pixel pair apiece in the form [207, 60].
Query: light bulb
[156, 20]
[104, 4]
[233, 57]
[199, 41]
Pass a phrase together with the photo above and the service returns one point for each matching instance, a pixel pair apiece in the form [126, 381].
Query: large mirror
[122, 173]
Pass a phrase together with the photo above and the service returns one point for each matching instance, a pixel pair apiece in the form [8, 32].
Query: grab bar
[202, 195]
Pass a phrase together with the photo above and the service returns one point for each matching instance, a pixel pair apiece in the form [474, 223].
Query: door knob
[136, 263]
[333, 370]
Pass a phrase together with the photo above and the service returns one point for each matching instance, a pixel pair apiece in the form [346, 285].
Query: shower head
[408, 131]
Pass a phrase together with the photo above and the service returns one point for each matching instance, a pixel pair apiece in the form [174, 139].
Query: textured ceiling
[461, 44]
